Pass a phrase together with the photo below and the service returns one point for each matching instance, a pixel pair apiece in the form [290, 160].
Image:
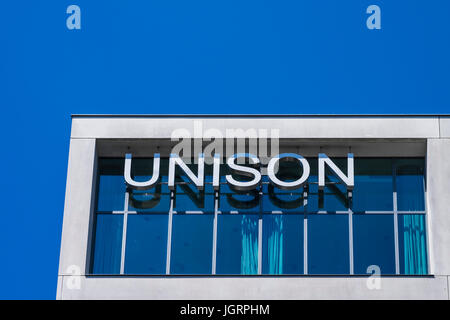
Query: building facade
[257, 207]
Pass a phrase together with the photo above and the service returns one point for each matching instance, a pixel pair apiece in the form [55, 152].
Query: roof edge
[251, 115]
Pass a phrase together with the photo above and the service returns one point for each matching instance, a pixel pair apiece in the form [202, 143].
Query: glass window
[146, 245]
[153, 200]
[191, 244]
[188, 198]
[334, 196]
[373, 242]
[108, 244]
[156, 199]
[237, 244]
[235, 201]
[328, 246]
[410, 185]
[373, 189]
[277, 200]
[111, 185]
[282, 244]
[412, 244]
[282, 214]
[242, 202]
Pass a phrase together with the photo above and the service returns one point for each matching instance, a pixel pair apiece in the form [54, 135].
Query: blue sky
[141, 57]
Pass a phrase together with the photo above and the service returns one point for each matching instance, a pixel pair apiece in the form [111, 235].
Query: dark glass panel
[191, 244]
[108, 244]
[373, 189]
[111, 185]
[410, 184]
[146, 245]
[373, 242]
[328, 246]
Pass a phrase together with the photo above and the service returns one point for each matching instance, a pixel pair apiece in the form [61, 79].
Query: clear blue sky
[254, 56]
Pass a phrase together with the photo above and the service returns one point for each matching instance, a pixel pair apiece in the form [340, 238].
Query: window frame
[302, 210]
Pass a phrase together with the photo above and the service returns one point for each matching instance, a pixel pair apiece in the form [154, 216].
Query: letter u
[141, 185]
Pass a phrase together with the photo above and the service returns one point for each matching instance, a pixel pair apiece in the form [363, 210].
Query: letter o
[292, 185]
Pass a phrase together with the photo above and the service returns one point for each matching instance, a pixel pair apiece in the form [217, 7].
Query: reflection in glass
[333, 198]
[275, 199]
[152, 200]
[242, 202]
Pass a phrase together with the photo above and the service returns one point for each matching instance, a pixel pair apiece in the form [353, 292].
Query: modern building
[283, 207]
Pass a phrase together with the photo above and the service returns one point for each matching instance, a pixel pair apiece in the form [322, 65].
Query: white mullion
[397, 252]
[350, 240]
[124, 233]
[350, 231]
[305, 230]
[394, 198]
[169, 233]
[214, 253]
[305, 244]
[260, 230]
[427, 223]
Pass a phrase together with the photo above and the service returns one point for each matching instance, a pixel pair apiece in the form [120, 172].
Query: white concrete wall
[78, 206]
[438, 195]
[79, 203]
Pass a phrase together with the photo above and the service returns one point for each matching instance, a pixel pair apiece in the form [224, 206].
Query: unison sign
[252, 171]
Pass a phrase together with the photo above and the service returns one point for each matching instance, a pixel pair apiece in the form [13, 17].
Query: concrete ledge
[444, 125]
[321, 127]
[264, 288]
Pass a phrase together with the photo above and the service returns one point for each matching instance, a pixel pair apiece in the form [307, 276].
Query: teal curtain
[413, 245]
[275, 245]
[249, 258]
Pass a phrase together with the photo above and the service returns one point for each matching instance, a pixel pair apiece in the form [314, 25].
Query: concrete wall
[433, 132]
